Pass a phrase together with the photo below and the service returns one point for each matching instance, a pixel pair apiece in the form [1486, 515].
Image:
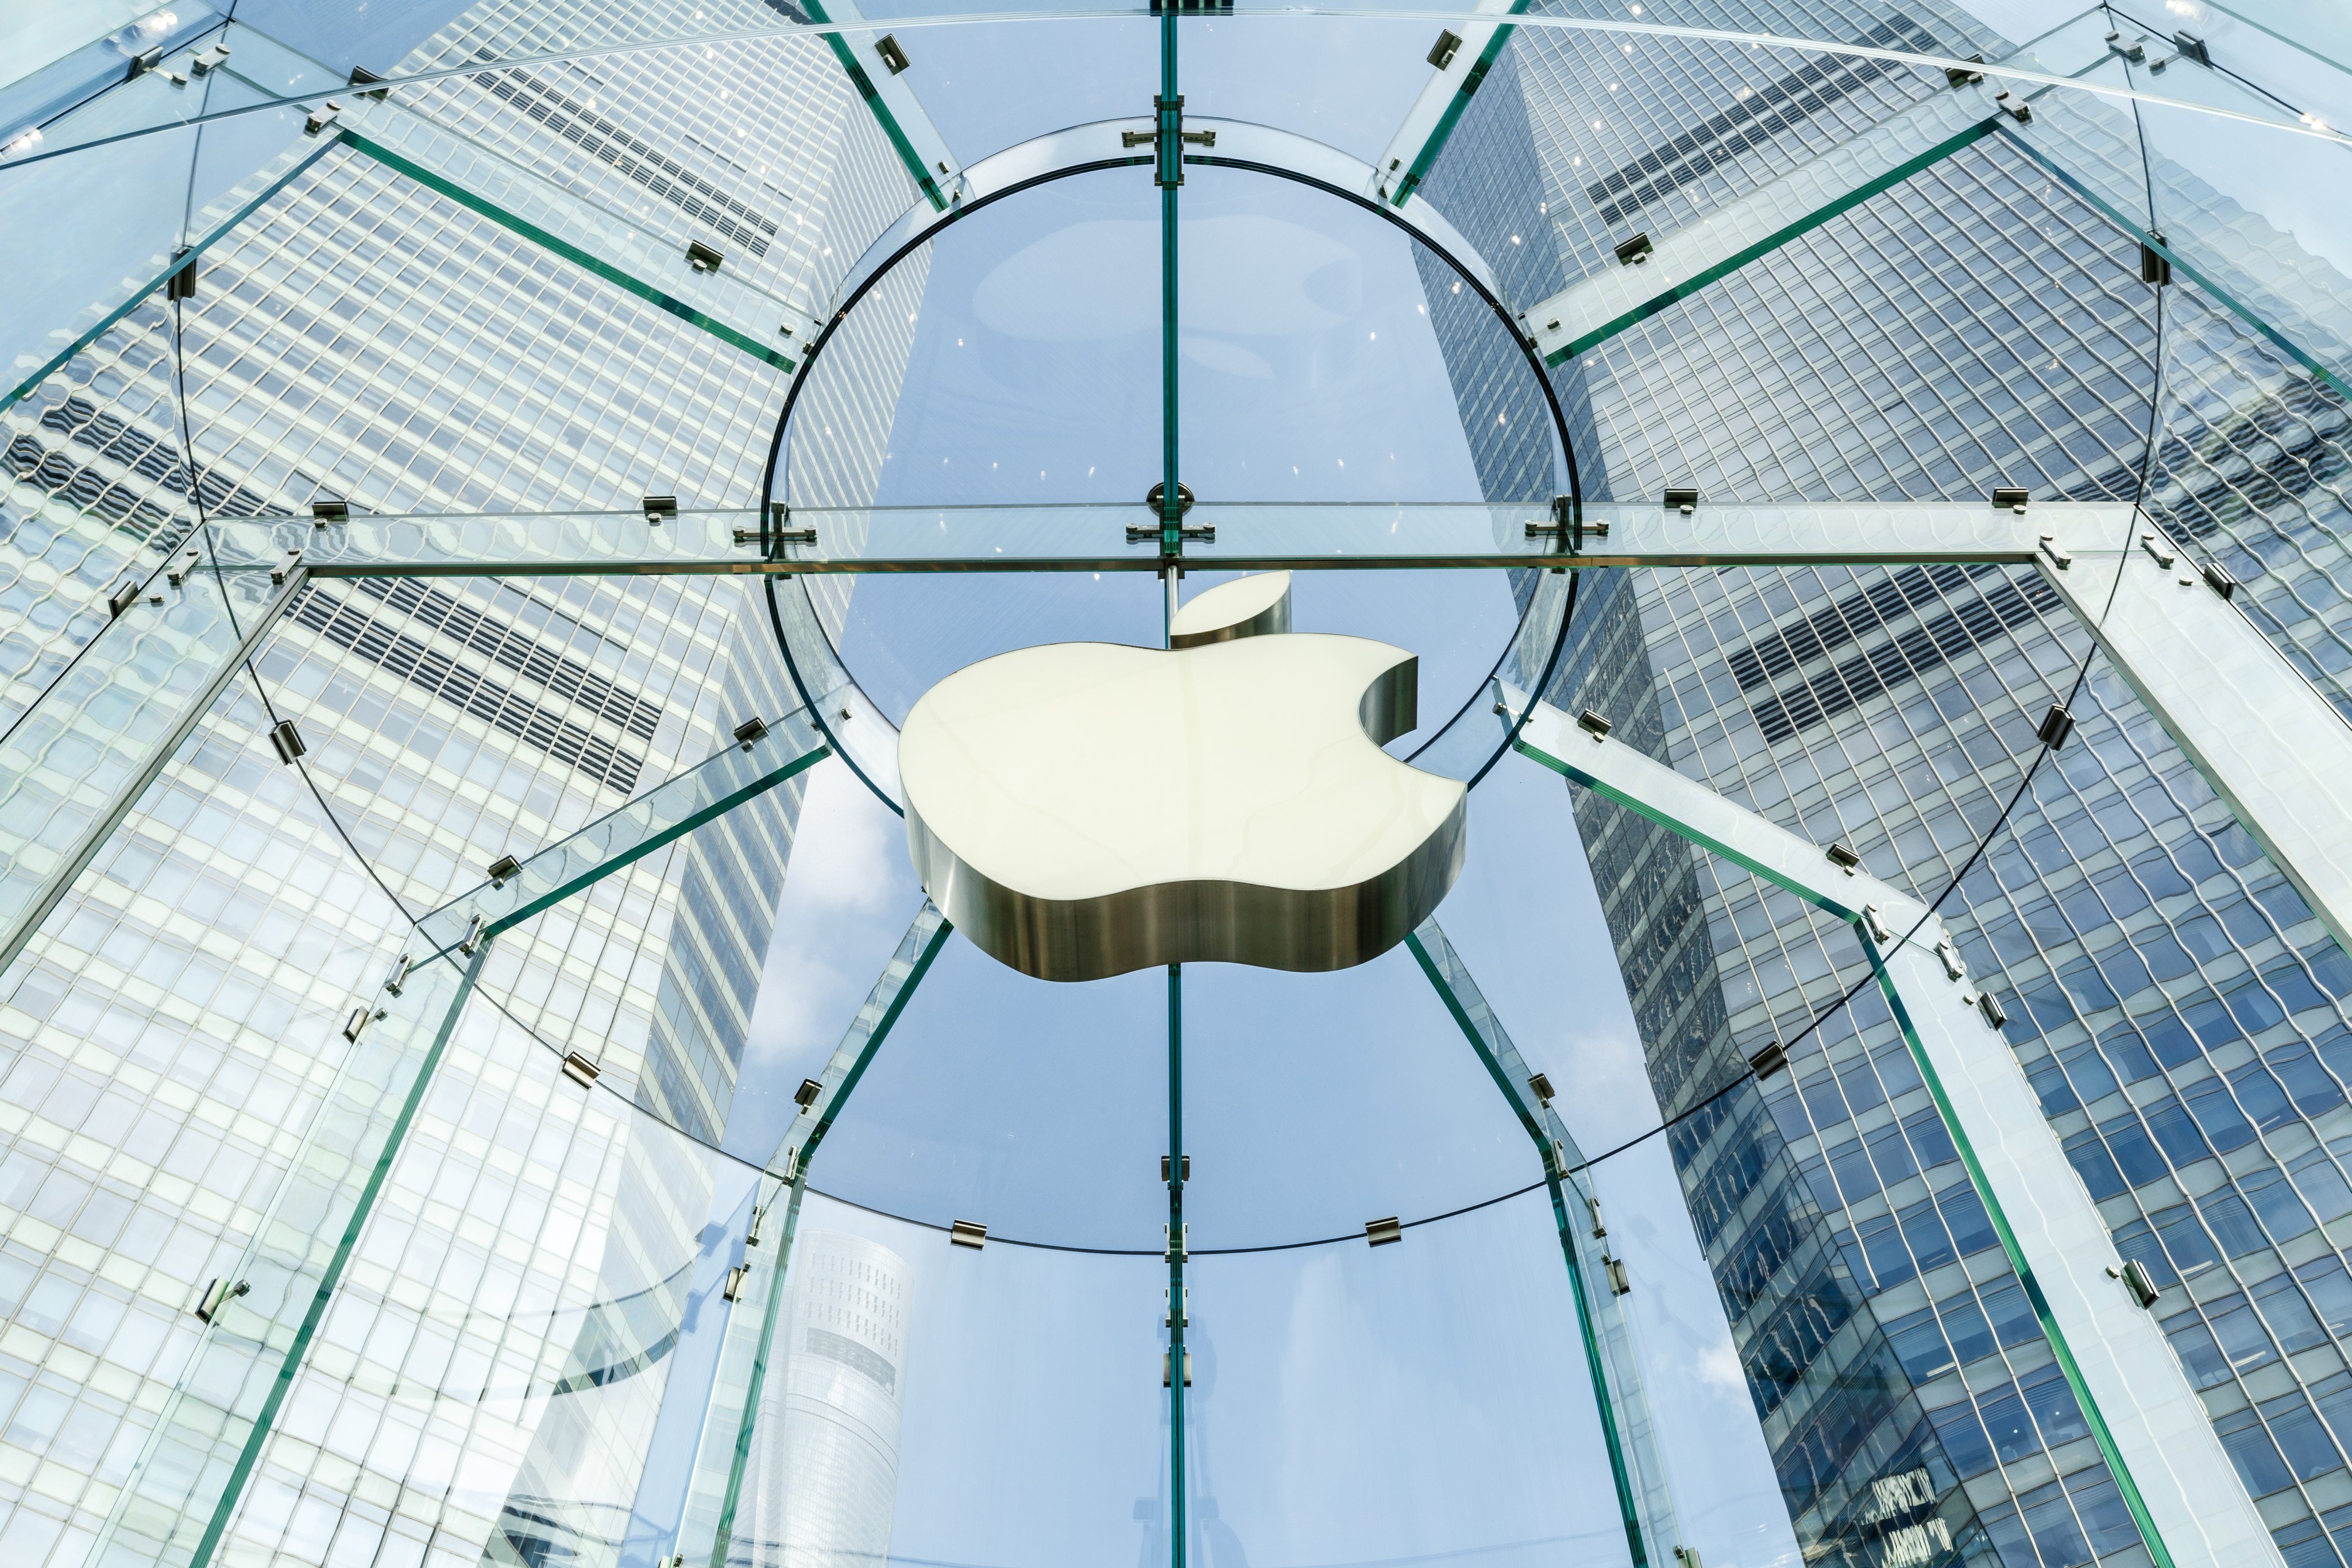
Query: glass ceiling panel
[464, 350]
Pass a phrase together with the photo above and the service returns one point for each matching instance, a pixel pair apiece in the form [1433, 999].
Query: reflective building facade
[2177, 1006]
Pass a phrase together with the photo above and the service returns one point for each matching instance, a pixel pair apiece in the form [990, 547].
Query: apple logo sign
[1083, 809]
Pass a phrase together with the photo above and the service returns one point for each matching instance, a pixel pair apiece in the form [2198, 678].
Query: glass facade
[484, 484]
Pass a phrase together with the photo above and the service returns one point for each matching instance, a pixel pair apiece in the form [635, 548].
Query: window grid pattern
[364, 341]
[2020, 349]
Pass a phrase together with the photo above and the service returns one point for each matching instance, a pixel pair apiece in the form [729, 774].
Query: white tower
[827, 1469]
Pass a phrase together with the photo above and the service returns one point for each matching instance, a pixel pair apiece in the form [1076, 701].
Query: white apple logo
[1082, 809]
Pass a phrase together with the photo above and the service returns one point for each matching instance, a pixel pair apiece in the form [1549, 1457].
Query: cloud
[848, 895]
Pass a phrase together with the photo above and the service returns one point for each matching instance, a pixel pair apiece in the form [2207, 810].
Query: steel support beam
[2150, 1424]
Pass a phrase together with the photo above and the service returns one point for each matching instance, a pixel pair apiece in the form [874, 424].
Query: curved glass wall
[481, 1082]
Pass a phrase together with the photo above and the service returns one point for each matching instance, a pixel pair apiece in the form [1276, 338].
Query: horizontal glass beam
[1253, 536]
[1676, 266]
[2150, 1424]
[73, 766]
[2121, 91]
[2275, 750]
[1444, 98]
[587, 234]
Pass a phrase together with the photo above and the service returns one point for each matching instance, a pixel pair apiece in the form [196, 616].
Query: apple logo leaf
[1083, 809]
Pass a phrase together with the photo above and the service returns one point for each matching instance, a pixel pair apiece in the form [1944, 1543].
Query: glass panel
[687, 278]
[1423, 1399]
[74, 763]
[668, 811]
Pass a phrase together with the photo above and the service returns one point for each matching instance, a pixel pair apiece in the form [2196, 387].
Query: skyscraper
[1976, 324]
[365, 339]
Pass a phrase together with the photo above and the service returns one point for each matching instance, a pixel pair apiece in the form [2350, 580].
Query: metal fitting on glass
[581, 1070]
[968, 1233]
[323, 512]
[2055, 726]
[1843, 858]
[1769, 1060]
[733, 1290]
[219, 1294]
[285, 567]
[287, 741]
[1635, 251]
[1683, 499]
[805, 1096]
[702, 257]
[504, 867]
[893, 54]
[1541, 1087]
[657, 508]
[1185, 1166]
[750, 732]
[1380, 1232]
[185, 567]
[1442, 53]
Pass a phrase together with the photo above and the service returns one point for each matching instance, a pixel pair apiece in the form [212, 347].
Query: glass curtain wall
[751, 297]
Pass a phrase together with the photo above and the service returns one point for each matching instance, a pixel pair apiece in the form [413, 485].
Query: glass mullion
[1627, 1433]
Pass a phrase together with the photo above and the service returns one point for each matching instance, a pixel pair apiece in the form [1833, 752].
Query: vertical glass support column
[1178, 1374]
[732, 1417]
[189, 1480]
[75, 764]
[1645, 1500]
[1168, 142]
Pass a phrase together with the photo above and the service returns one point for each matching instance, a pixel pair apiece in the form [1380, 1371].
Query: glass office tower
[369, 341]
[2175, 1002]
